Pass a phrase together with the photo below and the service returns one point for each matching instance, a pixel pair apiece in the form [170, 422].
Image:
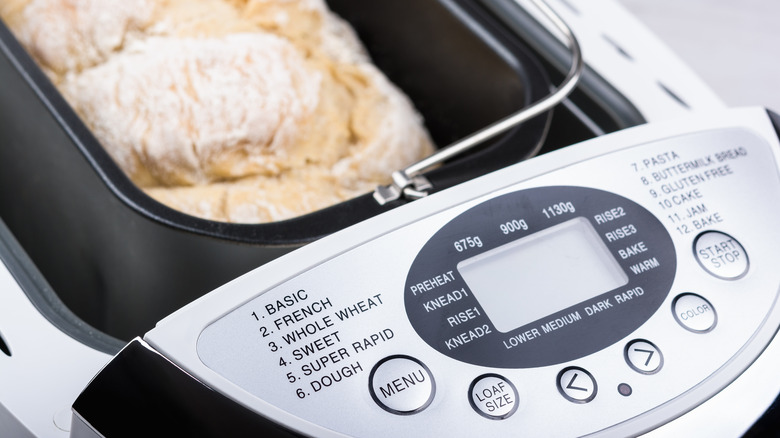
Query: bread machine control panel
[546, 263]
[608, 290]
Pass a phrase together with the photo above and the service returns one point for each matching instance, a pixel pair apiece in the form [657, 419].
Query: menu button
[401, 385]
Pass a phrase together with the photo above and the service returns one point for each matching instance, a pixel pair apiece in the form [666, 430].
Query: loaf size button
[493, 396]
[721, 255]
[577, 385]
[643, 356]
[694, 313]
[401, 385]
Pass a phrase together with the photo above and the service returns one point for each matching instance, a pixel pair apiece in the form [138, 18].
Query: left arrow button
[577, 385]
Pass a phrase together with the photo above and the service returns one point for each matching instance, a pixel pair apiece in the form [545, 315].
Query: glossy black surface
[140, 393]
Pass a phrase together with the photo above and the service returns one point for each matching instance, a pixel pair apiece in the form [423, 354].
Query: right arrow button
[577, 385]
[643, 356]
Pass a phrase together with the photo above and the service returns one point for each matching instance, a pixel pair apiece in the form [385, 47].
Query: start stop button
[721, 255]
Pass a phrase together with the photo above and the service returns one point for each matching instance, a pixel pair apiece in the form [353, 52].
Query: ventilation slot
[618, 48]
[4, 347]
[673, 95]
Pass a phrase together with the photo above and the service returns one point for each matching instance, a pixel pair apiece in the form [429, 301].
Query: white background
[733, 45]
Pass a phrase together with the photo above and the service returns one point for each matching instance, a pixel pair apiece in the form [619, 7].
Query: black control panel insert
[539, 277]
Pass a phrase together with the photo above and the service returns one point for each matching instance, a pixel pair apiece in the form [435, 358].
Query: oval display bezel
[435, 290]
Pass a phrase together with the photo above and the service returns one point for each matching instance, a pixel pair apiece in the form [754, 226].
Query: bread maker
[598, 269]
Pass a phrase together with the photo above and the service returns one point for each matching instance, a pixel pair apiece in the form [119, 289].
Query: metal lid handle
[411, 184]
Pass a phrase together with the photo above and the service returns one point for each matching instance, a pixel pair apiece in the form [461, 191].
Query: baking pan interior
[119, 261]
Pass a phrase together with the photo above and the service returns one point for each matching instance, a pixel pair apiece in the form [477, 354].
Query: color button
[694, 313]
[401, 385]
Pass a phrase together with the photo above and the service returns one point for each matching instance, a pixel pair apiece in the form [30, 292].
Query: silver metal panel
[304, 358]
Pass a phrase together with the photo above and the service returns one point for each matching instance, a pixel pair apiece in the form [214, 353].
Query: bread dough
[231, 110]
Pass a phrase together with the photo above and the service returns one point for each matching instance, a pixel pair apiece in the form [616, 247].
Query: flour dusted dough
[231, 110]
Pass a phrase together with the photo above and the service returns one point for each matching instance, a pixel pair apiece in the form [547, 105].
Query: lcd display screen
[543, 273]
